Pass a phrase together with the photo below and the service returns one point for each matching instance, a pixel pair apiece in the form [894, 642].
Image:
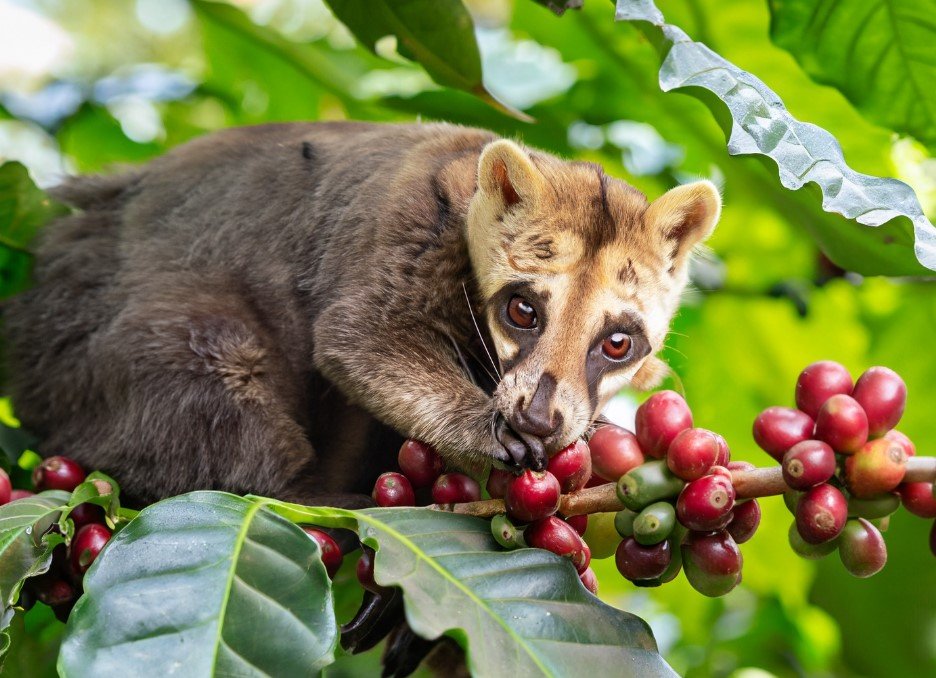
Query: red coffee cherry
[693, 452]
[705, 504]
[21, 494]
[365, 570]
[808, 464]
[555, 535]
[877, 467]
[531, 496]
[58, 473]
[843, 424]
[745, 519]
[455, 488]
[331, 552]
[614, 452]
[712, 561]
[420, 463]
[578, 523]
[918, 498]
[53, 591]
[589, 580]
[777, 429]
[6, 488]
[86, 546]
[821, 514]
[86, 514]
[393, 489]
[819, 382]
[572, 466]
[637, 562]
[497, 482]
[861, 548]
[883, 395]
[659, 420]
[903, 441]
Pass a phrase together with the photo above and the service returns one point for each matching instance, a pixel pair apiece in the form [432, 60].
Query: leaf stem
[757, 482]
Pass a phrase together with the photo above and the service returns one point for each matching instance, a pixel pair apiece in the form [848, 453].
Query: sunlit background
[89, 84]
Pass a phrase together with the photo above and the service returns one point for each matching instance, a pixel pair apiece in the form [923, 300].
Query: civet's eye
[616, 346]
[521, 312]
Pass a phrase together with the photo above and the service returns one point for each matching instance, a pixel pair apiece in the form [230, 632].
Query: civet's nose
[537, 417]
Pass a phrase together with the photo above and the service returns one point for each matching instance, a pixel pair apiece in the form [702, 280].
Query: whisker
[478, 330]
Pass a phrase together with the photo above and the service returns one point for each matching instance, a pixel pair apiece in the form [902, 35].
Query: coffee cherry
[821, 514]
[578, 523]
[86, 514]
[862, 548]
[532, 495]
[693, 452]
[804, 549]
[589, 580]
[636, 562]
[705, 504]
[649, 482]
[877, 506]
[393, 489]
[365, 571]
[903, 440]
[843, 424]
[918, 498]
[819, 382]
[497, 482]
[572, 466]
[724, 453]
[879, 466]
[745, 519]
[506, 533]
[614, 452]
[553, 534]
[883, 395]
[712, 561]
[455, 488]
[331, 552]
[86, 546]
[57, 473]
[777, 429]
[659, 420]
[420, 463]
[600, 535]
[53, 591]
[6, 488]
[21, 494]
[624, 522]
[654, 523]
[791, 500]
[808, 464]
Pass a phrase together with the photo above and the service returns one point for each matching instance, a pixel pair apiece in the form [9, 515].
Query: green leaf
[523, 609]
[439, 34]
[758, 123]
[13, 442]
[24, 208]
[879, 53]
[207, 581]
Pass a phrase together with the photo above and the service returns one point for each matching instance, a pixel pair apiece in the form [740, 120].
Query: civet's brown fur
[269, 309]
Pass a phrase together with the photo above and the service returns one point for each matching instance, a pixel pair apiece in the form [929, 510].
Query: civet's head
[581, 276]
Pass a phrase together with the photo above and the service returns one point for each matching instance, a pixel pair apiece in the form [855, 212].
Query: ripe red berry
[808, 464]
[712, 561]
[659, 420]
[636, 562]
[861, 548]
[553, 534]
[572, 466]
[821, 514]
[693, 452]
[589, 580]
[532, 495]
[393, 489]
[877, 467]
[745, 519]
[86, 514]
[883, 395]
[365, 570]
[614, 452]
[86, 546]
[903, 441]
[6, 487]
[777, 429]
[578, 523]
[455, 488]
[497, 482]
[420, 463]
[819, 382]
[724, 454]
[705, 504]
[843, 424]
[331, 552]
[21, 494]
[57, 473]
[918, 498]
[53, 591]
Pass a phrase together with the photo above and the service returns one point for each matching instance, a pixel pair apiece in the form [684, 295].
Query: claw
[378, 614]
[405, 652]
[524, 450]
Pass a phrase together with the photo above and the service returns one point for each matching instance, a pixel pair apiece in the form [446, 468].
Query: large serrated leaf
[760, 124]
[879, 53]
[203, 584]
[521, 612]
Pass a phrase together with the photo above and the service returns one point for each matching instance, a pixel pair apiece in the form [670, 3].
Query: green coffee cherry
[505, 533]
[624, 522]
[654, 523]
[648, 483]
[806, 550]
[877, 506]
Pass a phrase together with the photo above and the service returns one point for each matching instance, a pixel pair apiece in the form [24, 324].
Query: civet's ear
[683, 217]
[506, 175]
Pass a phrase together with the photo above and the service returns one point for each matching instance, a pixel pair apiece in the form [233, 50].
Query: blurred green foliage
[766, 301]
